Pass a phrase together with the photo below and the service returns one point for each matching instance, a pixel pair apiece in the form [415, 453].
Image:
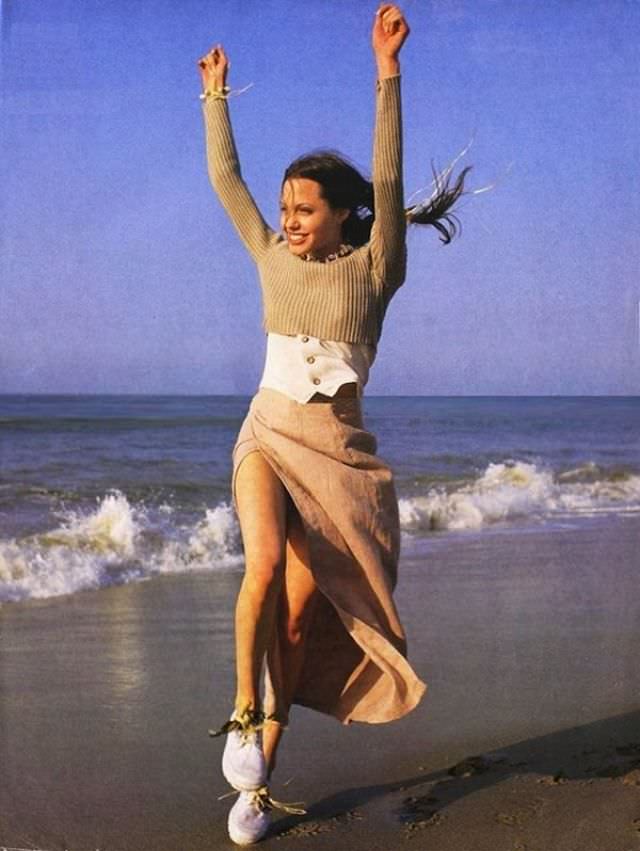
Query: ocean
[97, 491]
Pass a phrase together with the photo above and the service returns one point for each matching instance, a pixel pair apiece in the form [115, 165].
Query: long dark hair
[343, 187]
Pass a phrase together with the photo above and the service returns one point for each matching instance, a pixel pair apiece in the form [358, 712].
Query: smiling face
[310, 225]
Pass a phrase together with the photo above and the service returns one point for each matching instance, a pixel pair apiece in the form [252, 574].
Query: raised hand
[213, 69]
[390, 31]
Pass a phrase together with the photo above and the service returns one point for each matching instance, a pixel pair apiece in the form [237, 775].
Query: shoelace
[249, 722]
[262, 800]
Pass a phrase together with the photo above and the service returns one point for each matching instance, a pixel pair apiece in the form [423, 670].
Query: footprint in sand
[307, 828]
[553, 779]
[476, 765]
[522, 815]
[632, 778]
[313, 828]
[417, 813]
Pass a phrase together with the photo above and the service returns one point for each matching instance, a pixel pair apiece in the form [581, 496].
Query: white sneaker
[243, 764]
[249, 818]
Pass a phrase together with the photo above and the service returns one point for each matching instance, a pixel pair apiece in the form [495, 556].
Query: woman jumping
[317, 507]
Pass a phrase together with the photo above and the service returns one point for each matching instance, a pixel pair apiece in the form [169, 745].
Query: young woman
[317, 507]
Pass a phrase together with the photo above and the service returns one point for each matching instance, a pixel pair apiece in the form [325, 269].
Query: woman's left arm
[388, 250]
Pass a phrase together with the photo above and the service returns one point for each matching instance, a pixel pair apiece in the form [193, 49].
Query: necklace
[343, 251]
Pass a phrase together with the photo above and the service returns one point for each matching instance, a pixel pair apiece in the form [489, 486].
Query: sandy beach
[528, 738]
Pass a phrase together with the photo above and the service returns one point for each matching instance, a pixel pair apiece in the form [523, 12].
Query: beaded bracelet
[222, 94]
[216, 94]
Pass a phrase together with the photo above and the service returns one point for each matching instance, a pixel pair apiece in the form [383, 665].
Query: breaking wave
[115, 542]
[515, 489]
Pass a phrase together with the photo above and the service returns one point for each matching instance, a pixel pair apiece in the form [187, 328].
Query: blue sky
[120, 273]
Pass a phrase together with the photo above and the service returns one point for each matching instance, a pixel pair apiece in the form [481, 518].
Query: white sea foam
[117, 542]
[113, 544]
[112, 529]
[213, 543]
[517, 489]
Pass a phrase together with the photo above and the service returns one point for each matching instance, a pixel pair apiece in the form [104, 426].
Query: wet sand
[528, 738]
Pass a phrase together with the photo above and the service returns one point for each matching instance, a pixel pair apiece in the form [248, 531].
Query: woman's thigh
[262, 511]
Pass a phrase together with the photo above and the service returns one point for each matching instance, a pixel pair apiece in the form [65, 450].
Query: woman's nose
[290, 218]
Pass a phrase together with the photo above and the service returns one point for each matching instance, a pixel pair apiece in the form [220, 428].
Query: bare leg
[262, 506]
[297, 599]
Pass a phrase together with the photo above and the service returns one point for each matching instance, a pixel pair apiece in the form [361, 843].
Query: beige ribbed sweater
[345, 299]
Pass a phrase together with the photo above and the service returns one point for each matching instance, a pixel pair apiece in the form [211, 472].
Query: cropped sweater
[345, 299]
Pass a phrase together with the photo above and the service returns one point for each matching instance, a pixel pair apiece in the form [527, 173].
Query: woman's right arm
[222, 158]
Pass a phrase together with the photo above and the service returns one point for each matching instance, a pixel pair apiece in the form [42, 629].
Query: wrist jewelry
[216, 94]
[222, 94]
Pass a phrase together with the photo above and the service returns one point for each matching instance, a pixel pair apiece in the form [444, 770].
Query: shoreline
[528, 645]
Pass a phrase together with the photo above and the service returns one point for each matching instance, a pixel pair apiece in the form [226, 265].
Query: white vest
[299, 365]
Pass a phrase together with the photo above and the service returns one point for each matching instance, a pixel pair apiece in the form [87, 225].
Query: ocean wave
[516, 489]
[120, 539]
[114, 544]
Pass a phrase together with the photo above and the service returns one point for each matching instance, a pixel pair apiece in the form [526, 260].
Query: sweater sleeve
[387, 242]
[226, 179]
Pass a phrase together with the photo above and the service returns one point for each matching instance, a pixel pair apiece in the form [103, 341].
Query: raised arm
[388, 249]
[222, 157]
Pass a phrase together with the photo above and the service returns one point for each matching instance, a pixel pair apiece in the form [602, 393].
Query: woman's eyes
[300, 209]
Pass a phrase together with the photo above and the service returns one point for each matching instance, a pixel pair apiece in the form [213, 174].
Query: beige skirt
[355, 665]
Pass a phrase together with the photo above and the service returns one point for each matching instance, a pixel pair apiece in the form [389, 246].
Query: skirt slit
[355, 666]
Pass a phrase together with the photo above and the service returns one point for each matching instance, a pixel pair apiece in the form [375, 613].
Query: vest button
[316, 381]
[310, 359]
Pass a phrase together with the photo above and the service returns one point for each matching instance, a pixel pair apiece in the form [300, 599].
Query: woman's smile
[296, 238]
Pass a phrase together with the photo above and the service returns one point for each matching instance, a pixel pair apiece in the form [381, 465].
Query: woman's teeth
[296, 239]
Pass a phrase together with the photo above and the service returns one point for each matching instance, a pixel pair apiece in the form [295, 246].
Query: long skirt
[355, 665]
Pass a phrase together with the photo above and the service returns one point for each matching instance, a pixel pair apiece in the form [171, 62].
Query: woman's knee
[265, 553]
[300, 589]
[264, 570]
[296, 629]
[300, 615]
